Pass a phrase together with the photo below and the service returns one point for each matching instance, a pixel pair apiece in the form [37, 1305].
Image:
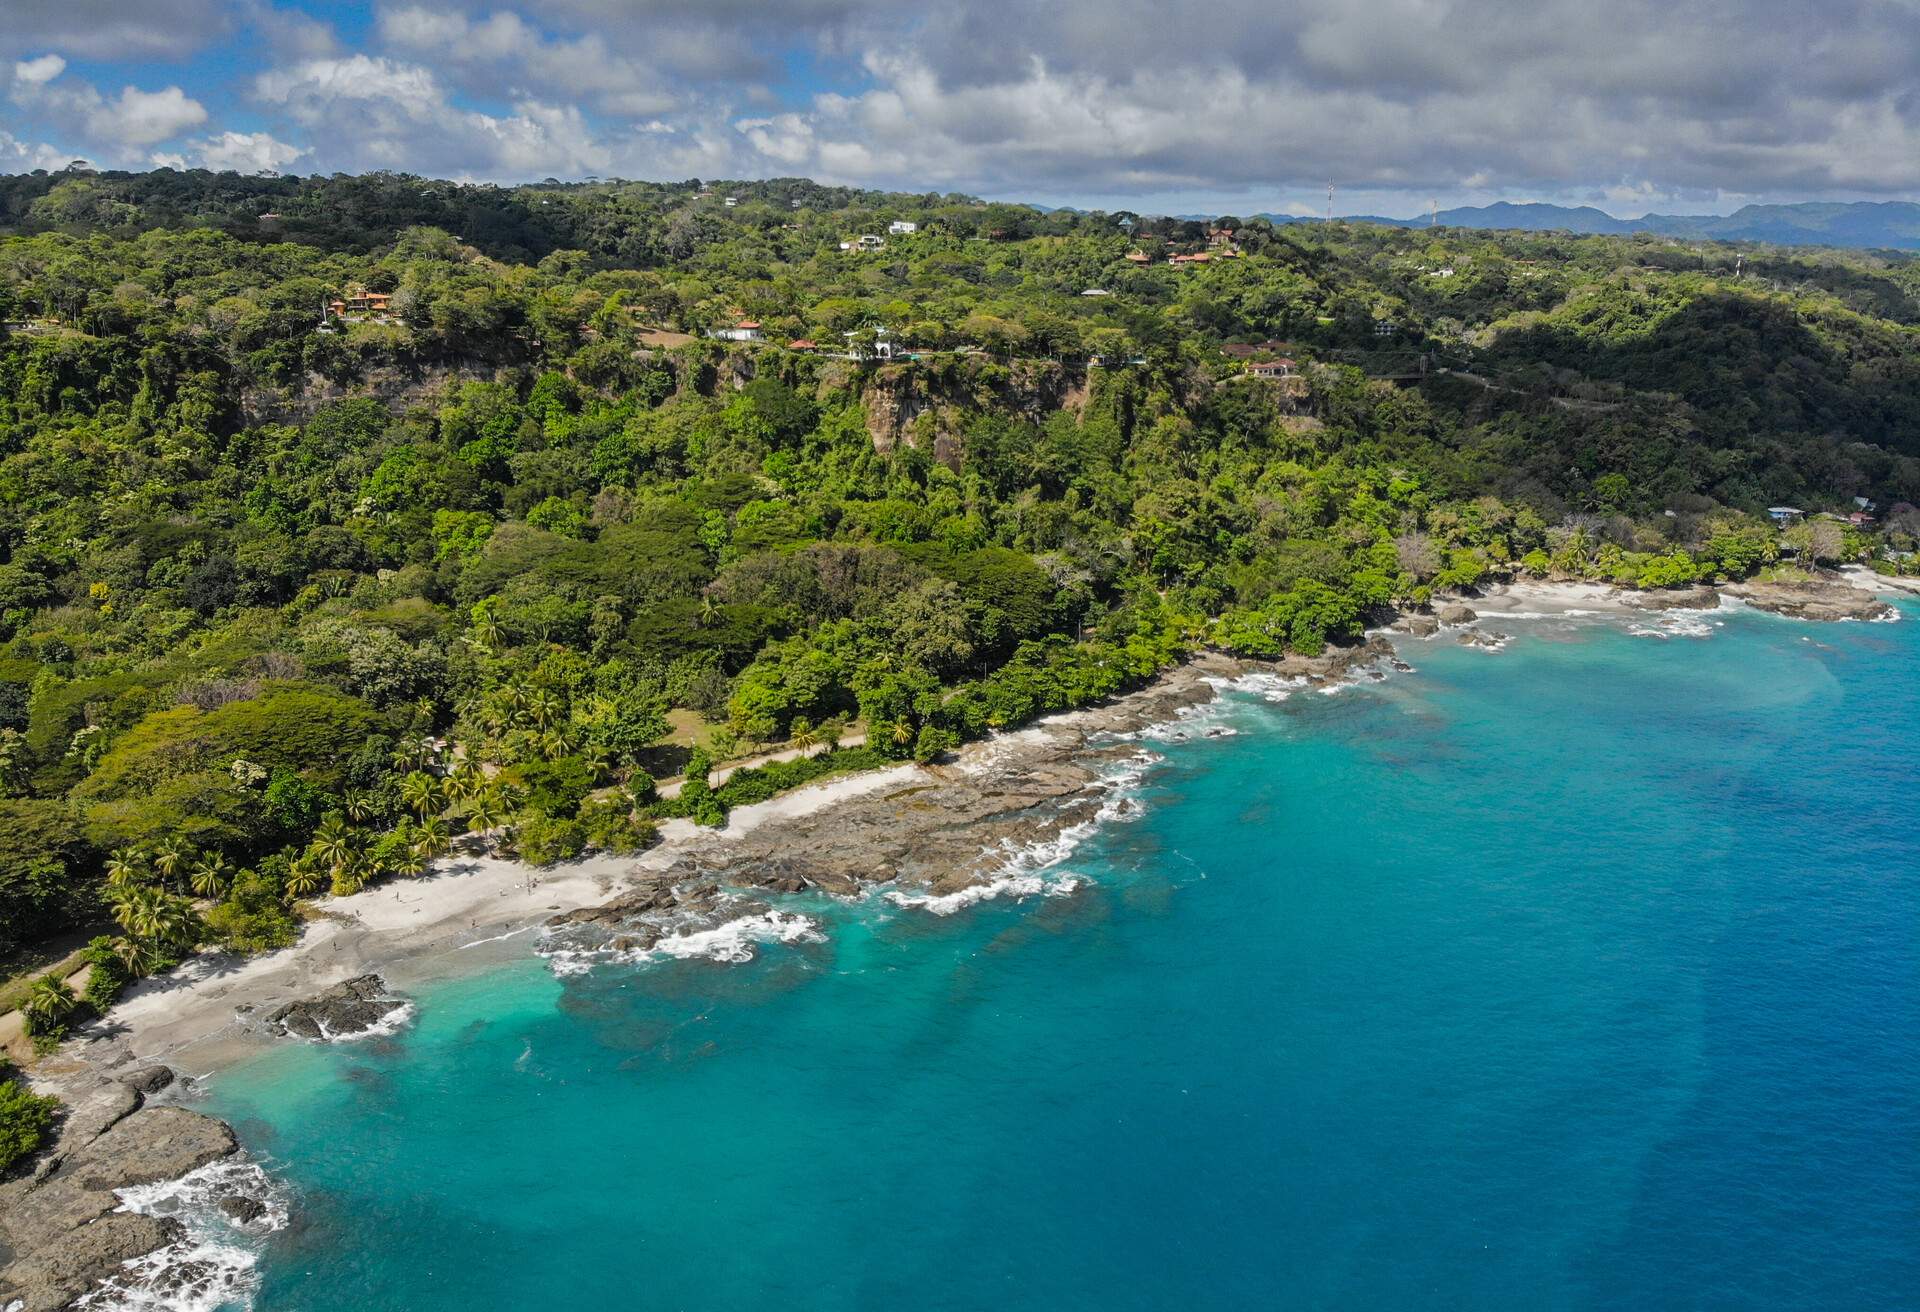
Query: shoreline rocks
[347, 1010]
[1700, 597]
[61, 1230]
[1812, 599]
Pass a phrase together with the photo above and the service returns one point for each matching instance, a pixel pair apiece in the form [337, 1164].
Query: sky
[1218, 106]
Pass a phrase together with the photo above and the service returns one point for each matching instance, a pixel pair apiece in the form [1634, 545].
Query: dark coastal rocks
[344, 1011]
[242, 1210]
[1418, 625]
[1701, 597]
[1813, 599]
[59, 1223]
[1455, 613]
[148, 1080]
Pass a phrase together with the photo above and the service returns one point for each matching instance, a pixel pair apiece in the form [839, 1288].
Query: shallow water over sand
[1580, 974]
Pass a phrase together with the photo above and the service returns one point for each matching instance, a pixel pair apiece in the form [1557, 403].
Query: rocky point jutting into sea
[989, 821]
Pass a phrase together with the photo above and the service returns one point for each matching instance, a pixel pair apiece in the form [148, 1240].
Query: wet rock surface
[349, 1008]
[1696, 598]
[60, 1227]
[148, 1079]
[1813, 599]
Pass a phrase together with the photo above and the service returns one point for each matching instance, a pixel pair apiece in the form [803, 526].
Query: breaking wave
[732, 941]
[212, 1265]
[1027, 869]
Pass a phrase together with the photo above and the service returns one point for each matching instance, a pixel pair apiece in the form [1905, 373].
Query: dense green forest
[292, 592]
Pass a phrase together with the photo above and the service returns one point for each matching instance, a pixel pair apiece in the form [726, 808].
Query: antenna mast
[1433, 207]
[1329, 204]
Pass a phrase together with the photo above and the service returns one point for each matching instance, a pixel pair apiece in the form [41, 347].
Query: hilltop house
[362, 307]
[900, 228]
[867, 243]
[1138, 257]
[1784, 515]
[746, 330]
[1281, 368]
[869, 344]
[1181, 261]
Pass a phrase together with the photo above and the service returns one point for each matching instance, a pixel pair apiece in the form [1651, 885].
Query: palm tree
[171, 856]
[126, 867]
[486, 813]
[334, 845]
[545, 708]
[709, 611]
[902, 732]
[48, 1000]
[466, 780]
[412, 753]
[411, 863]
[137, 956]
[303, 879]
[129, 906]
[359, 807]
[430, 837]
[486, 633]
[211, 874]
[421, 793]
[554, 743]
[804, 736]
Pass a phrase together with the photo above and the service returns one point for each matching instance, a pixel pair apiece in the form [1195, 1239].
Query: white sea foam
[393, 1022]
[1016, 886]
[731, 941]
[1678, 624]
[212, 1266]
[1024, 870]
[1271, 687]
[735, 940]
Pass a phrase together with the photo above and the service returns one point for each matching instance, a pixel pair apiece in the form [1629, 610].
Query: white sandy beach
[1540, 599]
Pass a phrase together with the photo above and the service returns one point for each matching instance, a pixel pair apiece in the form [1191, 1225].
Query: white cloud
[143, 118]
[17, 156]
[393, 114]
[39, 72]
[240, 152]
[118, 127]
[476, 52]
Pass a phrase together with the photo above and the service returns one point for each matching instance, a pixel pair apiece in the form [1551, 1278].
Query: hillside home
[900, 228]
[746, 330]
[881, 346]
[1784, 515]
[1138, 257]
[1281, 368]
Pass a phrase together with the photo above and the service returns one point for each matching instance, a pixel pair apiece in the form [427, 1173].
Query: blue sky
[1221, 105]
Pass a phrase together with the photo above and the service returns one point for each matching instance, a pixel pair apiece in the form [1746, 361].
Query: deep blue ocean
[1584, 974]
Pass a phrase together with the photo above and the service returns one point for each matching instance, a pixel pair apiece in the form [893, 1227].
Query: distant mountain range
[1879, 225]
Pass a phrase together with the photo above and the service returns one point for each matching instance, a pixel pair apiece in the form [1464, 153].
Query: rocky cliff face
[925, 405]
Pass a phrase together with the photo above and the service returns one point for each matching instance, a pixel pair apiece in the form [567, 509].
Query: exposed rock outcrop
[60, 1228]
[347, 1009]
[1701, 597]
[1813, 599]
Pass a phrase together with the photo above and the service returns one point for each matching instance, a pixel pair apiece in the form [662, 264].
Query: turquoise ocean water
[1581, 975]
